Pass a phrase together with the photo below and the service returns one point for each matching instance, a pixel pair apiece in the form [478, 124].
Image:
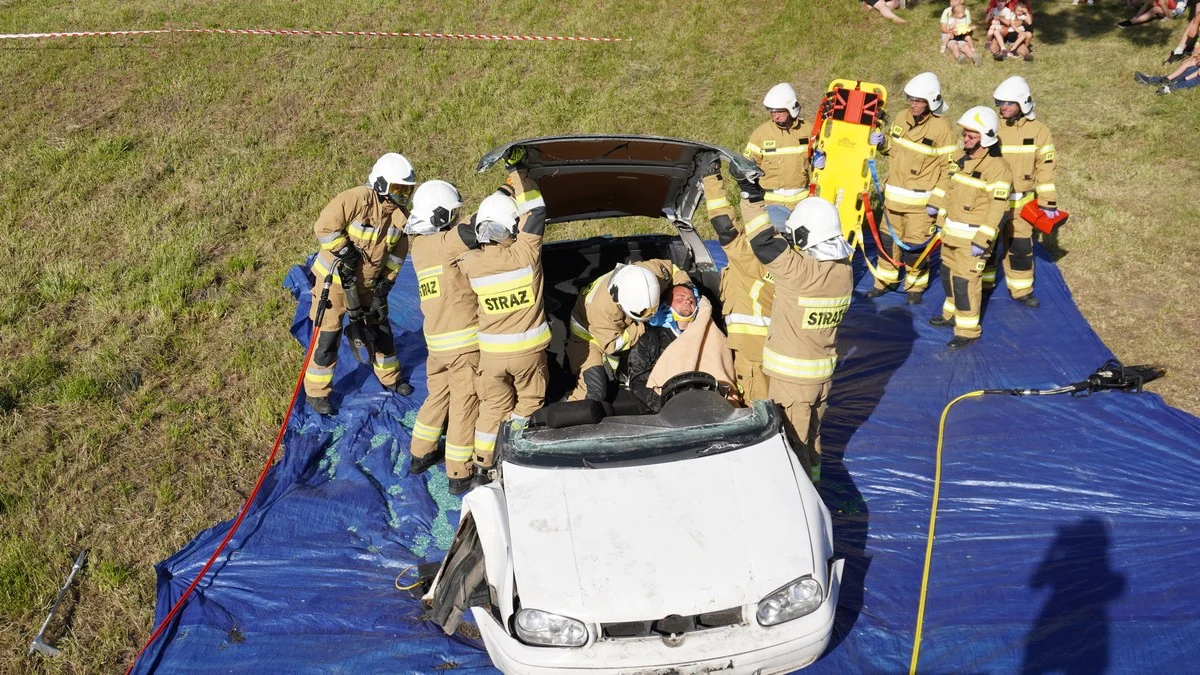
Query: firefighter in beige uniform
[363, 246]
[747, 288]
[451, 335]
[976, 199]
[506, 277]
[1028, 147]
[779, 147]
[608, 318]
[813, 284]
[919, 146]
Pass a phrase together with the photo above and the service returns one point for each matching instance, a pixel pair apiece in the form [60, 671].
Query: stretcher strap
[887, 221]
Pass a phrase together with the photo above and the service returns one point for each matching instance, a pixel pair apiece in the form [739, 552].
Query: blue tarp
[1065, 539]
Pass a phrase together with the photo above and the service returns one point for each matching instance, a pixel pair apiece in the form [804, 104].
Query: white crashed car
[688, 541]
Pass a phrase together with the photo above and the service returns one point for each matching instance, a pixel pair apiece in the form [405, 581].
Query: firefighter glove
[876, 138]
[819, 159]
[751, 190]
[379, 304]
[714, 167]
[350, 258]
[931, 211]
[977, 250]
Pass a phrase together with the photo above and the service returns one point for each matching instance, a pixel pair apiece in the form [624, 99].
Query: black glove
[714, 167]
[378, 313]
[751, 190]
[350, 258]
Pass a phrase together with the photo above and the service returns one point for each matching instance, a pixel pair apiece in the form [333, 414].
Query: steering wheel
[688, 381]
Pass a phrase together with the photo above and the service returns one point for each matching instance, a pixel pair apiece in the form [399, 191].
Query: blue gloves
[1050, 213]
[977, 250]
[876, 138]
[819, 159]
[931, 211]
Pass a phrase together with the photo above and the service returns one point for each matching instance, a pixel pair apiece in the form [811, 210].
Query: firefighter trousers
[1017, 235]
[451, 384]
[588, 365]
[914, 229]
[751, 381]
[510, 387]
[803, 407]
[962, 279]
[318, 378]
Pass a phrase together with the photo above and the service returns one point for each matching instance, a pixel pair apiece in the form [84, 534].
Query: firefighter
[919, 144]
[813, 284]
[608, 318]
[362, 245]
[779, 146]
[451, 336]
[505, 274]
[747, 289]
[1027, 146]
[975, 200]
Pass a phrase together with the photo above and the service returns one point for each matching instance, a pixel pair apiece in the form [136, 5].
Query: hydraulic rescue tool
[361, 334]
[1112, 375]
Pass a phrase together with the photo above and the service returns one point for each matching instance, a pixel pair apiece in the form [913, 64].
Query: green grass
[155, 191]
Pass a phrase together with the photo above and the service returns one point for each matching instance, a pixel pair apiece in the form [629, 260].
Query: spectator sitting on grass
[957, 28]
[1008, 32]
[1152, 10]
[1186, 76]
[1187, 43]
[884, 7]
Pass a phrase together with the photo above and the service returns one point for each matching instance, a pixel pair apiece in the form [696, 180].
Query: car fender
[487, 506]
[816, 516]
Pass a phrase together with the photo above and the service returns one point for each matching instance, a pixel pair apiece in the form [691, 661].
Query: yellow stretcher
[849, 112]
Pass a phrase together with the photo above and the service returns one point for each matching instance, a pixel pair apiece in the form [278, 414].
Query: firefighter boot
[321, 405]
[420, 465]
[399, 387]
[460, 485]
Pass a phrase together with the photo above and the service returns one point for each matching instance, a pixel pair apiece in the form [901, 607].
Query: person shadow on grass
[1072, 631]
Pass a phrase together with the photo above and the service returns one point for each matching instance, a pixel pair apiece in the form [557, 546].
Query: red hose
[245, 507]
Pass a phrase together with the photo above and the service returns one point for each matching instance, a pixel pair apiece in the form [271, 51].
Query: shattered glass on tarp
[1066, 534]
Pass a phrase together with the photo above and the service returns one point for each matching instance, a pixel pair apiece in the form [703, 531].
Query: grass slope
[155, 191]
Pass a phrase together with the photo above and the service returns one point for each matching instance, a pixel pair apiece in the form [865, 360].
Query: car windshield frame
[632, 440]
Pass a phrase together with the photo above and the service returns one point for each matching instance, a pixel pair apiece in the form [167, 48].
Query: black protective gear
[941, 321]
[751, 190]
[713, 168]
[321, 405]
[958, 342]
[378, 313]
[349, 258]
[640, 361]
[458, 486]
[401, 387]
[420, 465]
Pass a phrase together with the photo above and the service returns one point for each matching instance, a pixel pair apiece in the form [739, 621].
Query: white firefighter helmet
[1016, 90]
[496, 219]
[782, 97]
[984, 120]
[636, 291]
[392, 178]
[435, 204]
[927, 88]
[813, 221]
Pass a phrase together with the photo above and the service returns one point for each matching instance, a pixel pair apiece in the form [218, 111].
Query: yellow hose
[937, 483]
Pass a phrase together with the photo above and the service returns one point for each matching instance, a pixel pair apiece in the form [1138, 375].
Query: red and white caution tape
[318, 33]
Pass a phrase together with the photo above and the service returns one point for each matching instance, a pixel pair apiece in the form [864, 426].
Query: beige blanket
[702, 346]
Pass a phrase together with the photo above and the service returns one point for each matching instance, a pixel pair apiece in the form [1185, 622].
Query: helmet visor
[400, 192]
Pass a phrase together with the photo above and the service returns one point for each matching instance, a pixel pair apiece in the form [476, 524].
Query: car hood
[587, 177]
[640, 543]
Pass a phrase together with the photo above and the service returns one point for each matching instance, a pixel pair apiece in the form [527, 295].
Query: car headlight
[793, 601]
[551, 630]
